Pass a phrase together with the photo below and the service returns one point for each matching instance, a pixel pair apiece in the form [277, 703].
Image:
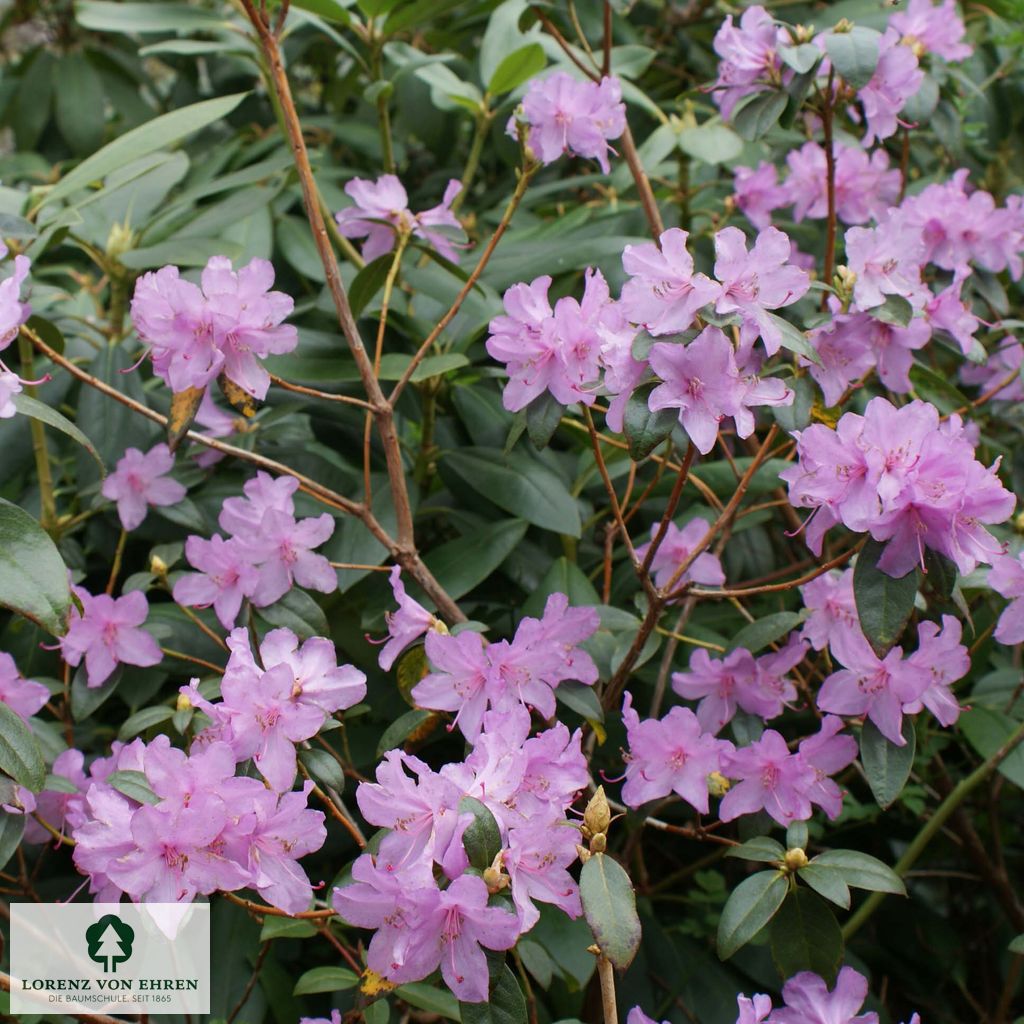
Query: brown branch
[267, 911]
[301, 389]
[251, 983]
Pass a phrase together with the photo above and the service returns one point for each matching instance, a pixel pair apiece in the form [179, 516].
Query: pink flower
[808, 1000]
[827, 753]
[757, 281]
[13, 312]
[897, 77]
[23, 696]
[10, 385]
[637, 1016]
[570, 116]
[228, 324]
[758, 193]
[663, 294]
[940, 653]
[381, 211]
[285, 556]
[832, 607]
[411, 621]
[226, 577]
[749, 56]
[459, 680]
[140, 481]
[753, 1011]
[887, 260]
[771, 779]
[537, 860]
[935, 29]
[881, 689]
[1007, 578]
[1006, 357]
[675, 548]
[671, 754]
[948, 312]
[55, 806]
[106, 633]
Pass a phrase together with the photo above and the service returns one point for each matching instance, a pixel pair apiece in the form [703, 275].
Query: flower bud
[718, 784]
[803, 33]
[157, 566]
[121, 239]
[599, 843]
[183, 702]
[598, 815]
[843, 26]
[795, 859]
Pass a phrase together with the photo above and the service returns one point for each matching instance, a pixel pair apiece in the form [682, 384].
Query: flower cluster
[903, 476]
[23, 696]
[565, 350]
[416, 892]
[266, 553]
[226, 325]
[141, 480]
[264, 711]
[566, 115]
[380, 213]
[13, 313]
[470, 676]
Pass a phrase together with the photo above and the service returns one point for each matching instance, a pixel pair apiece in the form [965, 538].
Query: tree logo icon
[110, 942]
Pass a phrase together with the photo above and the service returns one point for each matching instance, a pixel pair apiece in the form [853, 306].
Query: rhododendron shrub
[518, 506]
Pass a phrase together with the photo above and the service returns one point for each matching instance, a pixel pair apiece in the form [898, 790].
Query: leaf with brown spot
[239, 398]
[184, 406]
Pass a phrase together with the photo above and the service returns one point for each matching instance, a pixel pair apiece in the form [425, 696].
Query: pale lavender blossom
[409, 623]
[771, 779]
[140, 481]
[830, 600]
[809, 1001]
[897, 77]
[749, 56]
[1007, 578]
[758, 193]
[13, 312]
[940, 653]
[10, 385]
[937, 29]
[23, 696]
[1002, 367]
[675, 548]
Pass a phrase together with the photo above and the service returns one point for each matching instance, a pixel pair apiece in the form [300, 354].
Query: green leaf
[582, 699]
[113, 16]
[29, 406]
[332, 10]
[751, 906]
[884, 604]
[797, 415]
[143, 720]
[285, 928]
[758, 115]
[134, 785]
[13, 226]
[461, 564]
[797, 835]
[1016, 946]
[325, 979]
[516, 68]
[11, 828]
[298, 612]
[394, 365]
[800, 58]
[20, 755]
[886, 765]
[854, 54]
[323, 768]
[420, 11]
[433, 1000]
[711, 143]
[896, 310]
[828, 882]
[157, 134]
[805, 936]
[609, 905]
[940, 573]
[793, 338]
[518, 484]
[645, 428]
[79, 103]
[987, 730]
[33, 579]
[757, 635]
[482, 839]
[922, 104]
[862, 871]
[368, 282]
[760, 848]
[86, 699]
[543, 415]
[935, 388]
[506, 1004]
[402, 728]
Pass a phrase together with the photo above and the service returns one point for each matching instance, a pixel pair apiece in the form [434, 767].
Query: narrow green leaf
[582, 699]
[33, 579]
[143, 720]
[854, 54]
[862, 871]
[645, 428]
[86, 699]
[797, 835]
[516, 68]
[757, 635]
[20, 756]
[402, 728]
[760, 848]
[433, 1000]
[543, 415]
[805, 936]
[987, 729]
[11, 828]
[13, 226]
[884, 604]
[710, 143]
[758, 115]
[609, 905]
[79, 103]
[793, 338]
[148, 16]
[896, 310]
[1016, 945]
[29, 406]
[505, 1005]
[323, 769]
[461, 564]
[482, 839]
[157, 134]
[800, 58]
[134, 785]
[751, 906]
[886, 765]
[298, 612]
[828, 882]
[325, 979]
[368, 282]
[285, 928]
